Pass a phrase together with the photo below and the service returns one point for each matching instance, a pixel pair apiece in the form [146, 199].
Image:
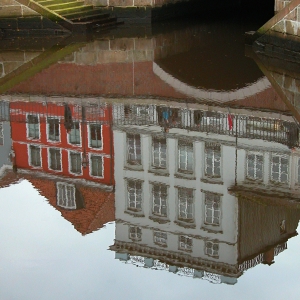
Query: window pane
[96, 165]
[55, 159]
[35, 156]
[159, 153]
[186, 158]
[53, 129]
[66, 195]
[74, 134]
[212, 209]
[33, 126]
[75, 162]
[95, 135]
[134, 149]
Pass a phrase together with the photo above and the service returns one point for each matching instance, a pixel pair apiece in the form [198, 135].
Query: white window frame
[134, 148]
[159, 153]
[255, 167]
[69, 135]
[48, 130]
[160, 200]
[49, 159]
[70, 161]
[209, 249]
[183, 243]
[138, 196]
[135, 233]
[210, 207]
[216, 155]
[29, 155]
[298, 171]
[59, 200]
[281, 156]
[184, 202]
[90, 136]
[91, 155]
[28, 130]
[1, 134]
[186, 156]
[160, 238]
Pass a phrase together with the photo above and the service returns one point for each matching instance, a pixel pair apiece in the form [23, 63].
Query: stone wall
[280, 4]
[11, 60]
[11, 8]
[286, 21]
[17, 19]
[290, 24]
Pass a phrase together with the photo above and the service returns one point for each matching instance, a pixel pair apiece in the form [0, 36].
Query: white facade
[172, 186]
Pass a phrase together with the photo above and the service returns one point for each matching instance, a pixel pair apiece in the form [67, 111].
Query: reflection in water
[202, 180]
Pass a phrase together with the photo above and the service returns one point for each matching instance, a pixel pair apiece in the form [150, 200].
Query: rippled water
[157, 163]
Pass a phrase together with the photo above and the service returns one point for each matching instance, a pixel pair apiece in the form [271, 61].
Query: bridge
[66, 16]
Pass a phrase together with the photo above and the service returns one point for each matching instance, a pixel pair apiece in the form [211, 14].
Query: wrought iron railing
[240, 126]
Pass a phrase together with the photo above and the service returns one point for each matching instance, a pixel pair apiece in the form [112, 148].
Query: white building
[181, 176]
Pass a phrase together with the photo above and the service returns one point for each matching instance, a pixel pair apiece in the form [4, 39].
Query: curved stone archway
[212, 95]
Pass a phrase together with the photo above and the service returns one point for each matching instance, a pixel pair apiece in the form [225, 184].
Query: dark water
[155, 162]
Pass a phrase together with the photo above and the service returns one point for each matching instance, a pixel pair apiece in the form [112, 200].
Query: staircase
[72, 15]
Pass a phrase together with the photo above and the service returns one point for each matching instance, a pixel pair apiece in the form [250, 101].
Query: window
[212, 160]
[35, 156]
[185, 243]
[1, 133]
[282, 227]
[186, 157]
[95, 136]
[212, 249]
[255, 166]
[134, 195]
[33, 127]
[186, 204]
[55, 159]
[135, 233]
[134, 149]
[159, 153]
[66, 195]
[298, 170]
[212, 209]
[160, 238]
[74, 134]
[279, 168]
[159, 198]
[75, 162]
[53, 129]
[96, 165]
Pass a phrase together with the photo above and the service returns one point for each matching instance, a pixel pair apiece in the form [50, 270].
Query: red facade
[43, 140]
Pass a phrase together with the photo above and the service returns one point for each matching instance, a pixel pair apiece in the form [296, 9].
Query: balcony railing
[240, 126]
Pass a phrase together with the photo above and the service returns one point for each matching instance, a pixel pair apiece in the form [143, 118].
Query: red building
[64, 139]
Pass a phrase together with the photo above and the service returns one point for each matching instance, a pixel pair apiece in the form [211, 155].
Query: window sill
[134, 167]
[212, 180]
[185, 176]
[185, 224]
[185, 250]
[135, 214]
[210, 230]
[160, 220]
[159, 172]
[161, 245]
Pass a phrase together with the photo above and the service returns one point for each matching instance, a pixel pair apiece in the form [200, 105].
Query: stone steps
[60, 6]
[72, 15]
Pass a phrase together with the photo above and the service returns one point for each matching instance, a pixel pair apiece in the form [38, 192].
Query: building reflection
[196, 187]
[65, 150]
[204, 192]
